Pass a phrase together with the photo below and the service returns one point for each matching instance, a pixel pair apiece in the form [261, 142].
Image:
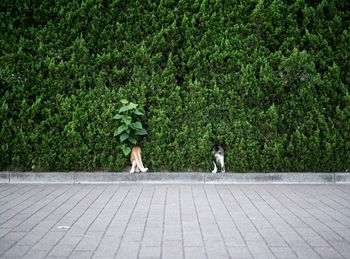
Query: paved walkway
[174, 221]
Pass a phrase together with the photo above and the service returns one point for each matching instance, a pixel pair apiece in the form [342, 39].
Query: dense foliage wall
[268, 80]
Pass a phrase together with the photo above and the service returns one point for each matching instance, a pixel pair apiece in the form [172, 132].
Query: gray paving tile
[217, 250]
[283, 252]
[195, 252]
[239, 253]
[150, 252]
[260, 249]
[173, 252]
[305, 251]
[62, 251]
[81, 254]
[342, 247]
[128, 250]
[328, 252]
[16, 251]
[36, 254]
[174, 221]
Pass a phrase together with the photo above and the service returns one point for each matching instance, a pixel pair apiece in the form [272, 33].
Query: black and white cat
[218, 153]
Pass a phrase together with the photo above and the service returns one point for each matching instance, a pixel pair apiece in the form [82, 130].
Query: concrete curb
[174, 178]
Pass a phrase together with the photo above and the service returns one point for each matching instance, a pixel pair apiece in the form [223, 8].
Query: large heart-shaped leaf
[141, 132]
[123, 137]
[137, 112]
[136, 125]
[132, 140]
[130, 106]
[118, 117]
[126, 150]
[121, 129]
[124, 101]
[127, 120]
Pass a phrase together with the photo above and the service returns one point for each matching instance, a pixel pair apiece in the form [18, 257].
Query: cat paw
[145, 170]
[131, 172]
[213, 172]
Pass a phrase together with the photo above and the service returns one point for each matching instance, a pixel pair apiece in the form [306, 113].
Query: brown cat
[136, 160]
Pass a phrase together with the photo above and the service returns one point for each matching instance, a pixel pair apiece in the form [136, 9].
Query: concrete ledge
[4, 177]
[342, 177]
[236, 178]
[307, 178]
[52, 177]
[175, 178]
[102, 177]
[172, 178]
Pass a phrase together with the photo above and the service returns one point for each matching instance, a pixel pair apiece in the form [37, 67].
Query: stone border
[174, 178]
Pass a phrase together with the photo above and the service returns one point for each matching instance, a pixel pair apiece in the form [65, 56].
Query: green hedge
[268, 80]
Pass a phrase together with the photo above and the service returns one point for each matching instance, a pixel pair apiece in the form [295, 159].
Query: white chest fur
[218, 159]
